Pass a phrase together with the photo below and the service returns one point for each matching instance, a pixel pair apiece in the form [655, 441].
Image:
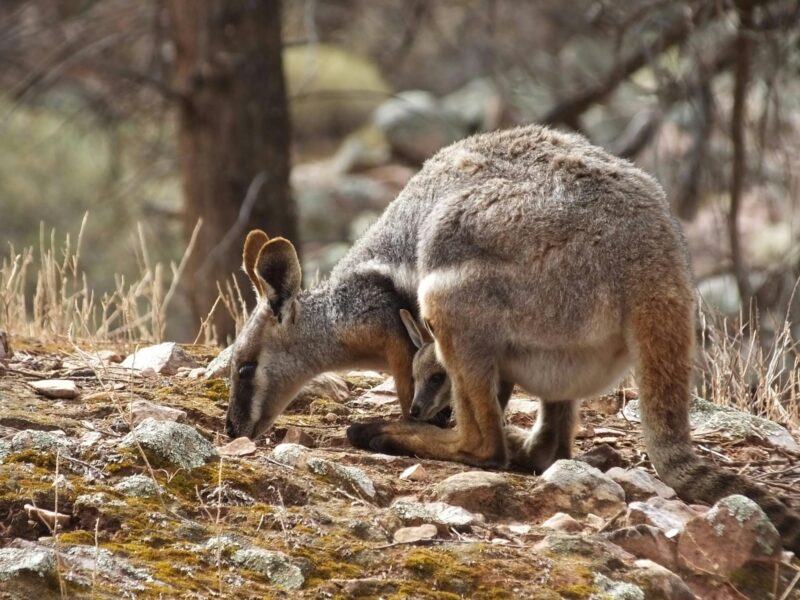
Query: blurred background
[141, 139]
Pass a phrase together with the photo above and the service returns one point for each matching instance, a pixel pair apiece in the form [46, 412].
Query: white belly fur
[567, 373]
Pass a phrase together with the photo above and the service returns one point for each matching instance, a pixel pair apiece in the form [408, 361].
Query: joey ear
[278, 269]
[417, 334]
[253, 244]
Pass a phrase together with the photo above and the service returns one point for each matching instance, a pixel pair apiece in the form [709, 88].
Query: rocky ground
[116, 481]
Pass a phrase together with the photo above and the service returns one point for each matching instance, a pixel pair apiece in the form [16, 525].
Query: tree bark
[233, 131]
[739, 167]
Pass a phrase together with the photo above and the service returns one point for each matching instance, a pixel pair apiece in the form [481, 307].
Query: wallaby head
[431, 383]
[265, 374]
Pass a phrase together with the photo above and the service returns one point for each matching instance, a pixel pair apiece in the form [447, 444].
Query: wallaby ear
[253, 244]
[417, 334]
[278, 268]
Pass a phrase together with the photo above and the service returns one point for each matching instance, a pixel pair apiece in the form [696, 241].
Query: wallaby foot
[411, 438]
[548, 441]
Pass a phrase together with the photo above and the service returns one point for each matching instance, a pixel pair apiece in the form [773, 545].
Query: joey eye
[247, 370]
[436, 379]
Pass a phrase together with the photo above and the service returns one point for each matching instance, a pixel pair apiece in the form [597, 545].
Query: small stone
[648, 542]
[18, 563]
[522, 405]
[609, 404]
[477, 491]
[352, 477]
[577, 488]
[196, 373]
[408, 535]
[603, 457]
[617, 590]
[639, 484]
[221, 365]
[89, 439]
[660, 582]
[734, 532]
[239, 447]
[293, 455]
[297, 435]
[562, 522]
[65, 389]
[45, 441]
[670, 516]
[595, 522]
[521, 528]
[414, 473]
[224, 544]
[440, 514]
[138, 486]
[172, 442]
[380, 395]
[144, 409]
[164, 359]
[276, 566]
[327, 385]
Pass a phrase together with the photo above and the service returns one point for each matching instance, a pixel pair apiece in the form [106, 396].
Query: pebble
[241, 446]
[164, 359]
[414, 473]
[144, 409]
[276, 566]
[175, 443]
[476, 491]
[64, 389]
[577, 488]
[406, 535]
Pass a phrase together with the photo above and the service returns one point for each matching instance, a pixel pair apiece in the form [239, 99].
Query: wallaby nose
[414, 411]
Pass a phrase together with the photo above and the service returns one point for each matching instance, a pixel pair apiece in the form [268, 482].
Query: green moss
[216, 390]
[77, 537]
[45, 460]
[442, 568]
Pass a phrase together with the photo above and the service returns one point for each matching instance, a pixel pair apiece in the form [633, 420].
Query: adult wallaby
[535, 258]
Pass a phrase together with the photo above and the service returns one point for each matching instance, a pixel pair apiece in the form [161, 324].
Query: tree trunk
[233, 137]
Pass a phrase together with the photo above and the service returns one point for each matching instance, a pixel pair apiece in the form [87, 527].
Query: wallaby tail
[663, 333]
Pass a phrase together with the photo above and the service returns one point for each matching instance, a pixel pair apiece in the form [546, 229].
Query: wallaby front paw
[373, 436]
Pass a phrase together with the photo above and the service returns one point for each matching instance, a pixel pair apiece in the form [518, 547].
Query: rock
[440, 514]
[89, 439]
[297, 435]
[648, 542]
[477, 104]
[223, 544]
[603, 457]
[351, 477]
[327, 385]
[23, 563]
[577, 488]
[171, 442]
[722, 420]
[670, 516]
[293, 455]
[48, 517]
[617, 590]
[734, 532]
[5, 449]
[65, 389]
[414, 473]
[562, 522]
[379, 395]
[569, 544]
[660, 583]
[144, 409]
[239, 447]
[408, 535]
[522, 405]
[416, 125]
[138, 486]
[221, 365]
[477, 491]
[639, 484]
[164, 359]
[276, 566]
[44, 441]
[608, 404]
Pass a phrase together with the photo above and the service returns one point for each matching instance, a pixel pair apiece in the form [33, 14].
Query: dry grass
[46, 295]
[742, 367]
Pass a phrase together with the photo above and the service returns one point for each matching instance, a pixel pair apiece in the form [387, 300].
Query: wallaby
[535, 258]
[431, 383]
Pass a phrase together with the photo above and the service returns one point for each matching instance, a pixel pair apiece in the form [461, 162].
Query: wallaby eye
[247, 370]
[436, 379]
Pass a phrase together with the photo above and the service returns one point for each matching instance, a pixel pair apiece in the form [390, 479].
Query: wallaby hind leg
[549, 440]
[478, 436]
[663, 333]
